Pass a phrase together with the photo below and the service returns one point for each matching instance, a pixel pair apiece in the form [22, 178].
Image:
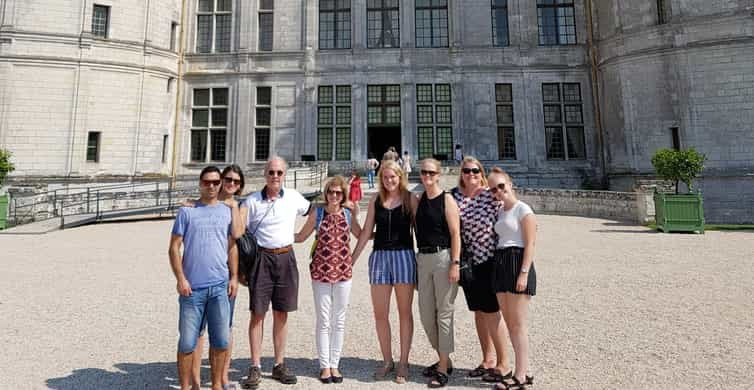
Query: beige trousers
[437, 297]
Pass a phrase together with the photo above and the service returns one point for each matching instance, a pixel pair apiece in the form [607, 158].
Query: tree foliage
[678, 165]
[6, 166]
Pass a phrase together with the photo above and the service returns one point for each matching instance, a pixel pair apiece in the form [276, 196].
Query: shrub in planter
[6, 167]
[679, 212]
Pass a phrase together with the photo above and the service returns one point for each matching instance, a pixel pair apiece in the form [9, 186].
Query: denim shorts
[392, 267]
[210, 304]
[232, 302]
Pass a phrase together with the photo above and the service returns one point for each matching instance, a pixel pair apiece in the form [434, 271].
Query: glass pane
[442, 92]
[264, 96]
[550, 93]
[265, 31]
[503, 93]
[218, 145]
[500, 27]
[324, 116]
[343, 115]
[573, 114]
[266, 4]
[343, 94]
[324, 95]
[326, 5]
[205, 5]
[554, 140]
[424, 114]
[374, 94]
[504, 114]
[572, 92]
[198, 145]
[222, 33]
[548, 34]
[392, 93]
[324, 143]
[443, 114]
[204, 34]
[575, 142]
[552, 113]
[506, 143]
[445, 141]
[200, 118]
[224, 5]
[262, 142]
[344, 4]
[343, 143]
[424, 93]
[422, 3]
[201, 97]
[99, 21]
[393, 114]
[426, 145]
[374, 115]
[219, 117]
[220, 96]
[263, 116]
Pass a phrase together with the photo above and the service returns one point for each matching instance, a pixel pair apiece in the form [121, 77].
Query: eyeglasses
[275, 173]
[213, 183]
[471, 170]
[499, 187]
[425, 172]
[336, 193]
[230, 180]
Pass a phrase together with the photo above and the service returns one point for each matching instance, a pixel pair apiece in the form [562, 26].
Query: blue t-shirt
[205, 230]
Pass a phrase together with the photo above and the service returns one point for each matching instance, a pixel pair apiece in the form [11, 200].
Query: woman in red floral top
[331, 269]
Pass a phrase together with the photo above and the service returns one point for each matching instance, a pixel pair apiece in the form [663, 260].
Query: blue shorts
[232, 302]
[210, 304]
[392, 267]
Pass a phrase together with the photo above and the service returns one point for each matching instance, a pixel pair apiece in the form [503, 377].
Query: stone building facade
[561, 93]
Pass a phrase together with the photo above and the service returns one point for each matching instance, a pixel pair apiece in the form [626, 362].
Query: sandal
[383, 371]
[477, 372]
[516, 385]
[440, 380]
[432, 370]
[494, 375]
[401, 375]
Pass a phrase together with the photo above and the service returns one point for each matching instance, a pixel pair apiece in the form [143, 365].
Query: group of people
[480, 222]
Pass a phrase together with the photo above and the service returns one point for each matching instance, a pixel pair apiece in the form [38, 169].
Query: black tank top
[393, 228]
[431, 225]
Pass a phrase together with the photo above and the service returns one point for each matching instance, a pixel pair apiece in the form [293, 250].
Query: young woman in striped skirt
[392, 264]
[515, 279]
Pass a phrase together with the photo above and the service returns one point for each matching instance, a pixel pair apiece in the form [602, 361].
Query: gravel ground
[618, 307]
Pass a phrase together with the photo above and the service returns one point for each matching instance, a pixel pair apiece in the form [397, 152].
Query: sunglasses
[471, 170]
[213, 183]
[425, 172]
[337, 193]
[229, 180]
[500, 187]
[275, 173]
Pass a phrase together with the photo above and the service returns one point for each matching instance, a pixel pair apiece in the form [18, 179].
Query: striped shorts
[392, 267]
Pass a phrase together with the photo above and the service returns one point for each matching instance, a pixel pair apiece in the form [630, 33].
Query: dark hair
[235, 168]
[371, 155]
[209, 169]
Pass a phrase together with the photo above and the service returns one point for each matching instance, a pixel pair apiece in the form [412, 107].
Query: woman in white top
[515, 280]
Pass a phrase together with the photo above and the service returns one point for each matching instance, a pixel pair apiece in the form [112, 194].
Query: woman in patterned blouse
[479, 210]
[331, 271]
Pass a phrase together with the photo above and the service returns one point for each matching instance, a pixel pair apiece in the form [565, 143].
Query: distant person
[272, 214]
[372, 165]
[406, 163]
[354, 192]
[515, 280]
[458, 153]
[206, 275]
[390, 155]
[331, 271]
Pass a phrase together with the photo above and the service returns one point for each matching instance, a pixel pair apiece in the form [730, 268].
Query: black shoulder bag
[248, 250]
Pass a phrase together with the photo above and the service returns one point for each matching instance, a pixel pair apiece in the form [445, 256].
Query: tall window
[663, 11]
[209, 124]
[334, 117]
[384, 105]
[506, 136]
[564, 121]
[557, 23]
[100, 20]
[263, 123]
[334, 24]
[173, 36]
[165, 148]
[266, 15]
[92, 146]
[431, 23]
[500, 23]
[383, 24]
[434, 120]
[213, 26]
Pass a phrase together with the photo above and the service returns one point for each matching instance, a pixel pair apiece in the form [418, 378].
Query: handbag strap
[263, 217]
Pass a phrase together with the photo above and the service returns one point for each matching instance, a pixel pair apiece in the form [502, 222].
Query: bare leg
[279, 334]
[516, 312]
[256, 328]
[185, 363]
[485, 340]
[196, 364]
[499, 336]
[404, 294]
[226, 366]
[217, 364]
[381, 306]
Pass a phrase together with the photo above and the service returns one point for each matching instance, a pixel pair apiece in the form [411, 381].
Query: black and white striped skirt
[507, 268]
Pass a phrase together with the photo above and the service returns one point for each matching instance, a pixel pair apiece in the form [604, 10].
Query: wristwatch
[456, 262]
[524, 270]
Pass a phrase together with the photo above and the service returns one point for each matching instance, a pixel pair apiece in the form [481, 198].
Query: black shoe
[336, 379]
[252, 380]
[280, 372]
[324, 379]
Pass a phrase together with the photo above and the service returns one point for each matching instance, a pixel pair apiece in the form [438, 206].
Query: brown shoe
[280, 372]
[252, 380]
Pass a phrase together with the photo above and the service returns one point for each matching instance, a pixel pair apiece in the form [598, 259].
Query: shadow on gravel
[647, 231]
[159, 375]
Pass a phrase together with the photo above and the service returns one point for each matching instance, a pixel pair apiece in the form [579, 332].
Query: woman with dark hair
[331, 271]
[232, 186]
[392, 264]
[514, 280]
[478, 210]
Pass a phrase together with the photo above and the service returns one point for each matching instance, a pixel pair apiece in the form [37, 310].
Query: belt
[431, 249]
[277, 251]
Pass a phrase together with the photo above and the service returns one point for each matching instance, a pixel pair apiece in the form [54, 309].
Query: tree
[6, 166]
[678, 165]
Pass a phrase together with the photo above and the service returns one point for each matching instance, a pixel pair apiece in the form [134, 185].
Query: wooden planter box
[679, 213]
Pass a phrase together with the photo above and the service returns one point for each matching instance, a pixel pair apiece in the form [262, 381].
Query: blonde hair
[432, 161]
[472, 160]
[337, 181]
[499, 171]
[405, 194]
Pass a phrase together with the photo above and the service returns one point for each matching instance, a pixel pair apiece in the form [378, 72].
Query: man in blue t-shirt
[204, 288]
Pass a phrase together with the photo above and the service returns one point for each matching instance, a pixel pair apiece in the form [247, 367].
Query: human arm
[232, 267]
[355, 225]
[176, 264]
[366, 231]
[307, 229]
[238, 227]
[529, 233]
[452, 216]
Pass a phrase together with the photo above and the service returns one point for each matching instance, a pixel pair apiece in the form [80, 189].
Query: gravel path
[618, 307]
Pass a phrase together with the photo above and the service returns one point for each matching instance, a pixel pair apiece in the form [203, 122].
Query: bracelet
[455, 262]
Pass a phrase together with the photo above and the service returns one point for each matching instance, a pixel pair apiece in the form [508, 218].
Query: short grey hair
[275, 157]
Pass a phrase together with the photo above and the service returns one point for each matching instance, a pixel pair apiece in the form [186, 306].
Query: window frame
[432, 9]
[259, 128]
[210, 129]
[384, 105]
[214, 14]
[436, 129]
[261, 34]
[335, 126]
[97, 147]
[383, 11]
[107, 9]
[335, 40]
[506, 131]
[495, 24]
[562, 126]
[557, 6]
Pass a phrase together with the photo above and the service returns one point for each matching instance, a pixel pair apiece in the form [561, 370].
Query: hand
[233, 287]
[454, 274]
[242, 280]
[230, 202]
[523, 280]
[183, 287]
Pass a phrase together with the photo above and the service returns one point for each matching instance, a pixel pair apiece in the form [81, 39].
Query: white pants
[330, 303]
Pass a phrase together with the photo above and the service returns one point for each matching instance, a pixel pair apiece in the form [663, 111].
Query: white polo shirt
[277, 227]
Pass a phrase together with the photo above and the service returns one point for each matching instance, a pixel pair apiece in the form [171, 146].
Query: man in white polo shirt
[272, 213]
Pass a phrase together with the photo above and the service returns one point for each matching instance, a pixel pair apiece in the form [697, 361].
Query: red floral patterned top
[332, 257]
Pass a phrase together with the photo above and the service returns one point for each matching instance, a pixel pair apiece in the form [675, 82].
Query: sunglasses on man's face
[275, 173]
[207, 183]
[426, 172]
[499, 187]
[471, 170]
[230, 180]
